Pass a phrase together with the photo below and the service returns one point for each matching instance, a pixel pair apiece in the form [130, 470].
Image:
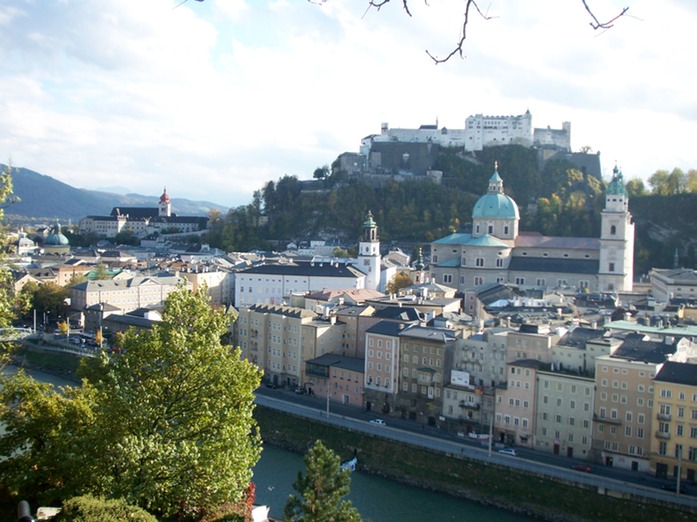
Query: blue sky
[213, 99]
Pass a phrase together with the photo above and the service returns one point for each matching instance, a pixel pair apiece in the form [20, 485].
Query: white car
[379, 422]
[508, 451]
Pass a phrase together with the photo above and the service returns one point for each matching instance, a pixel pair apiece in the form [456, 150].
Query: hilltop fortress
[408, 153]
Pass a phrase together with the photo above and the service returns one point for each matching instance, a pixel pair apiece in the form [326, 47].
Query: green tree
[89, 509]
[398, 281]
[322, 490]
[166, 426]
[636, 188]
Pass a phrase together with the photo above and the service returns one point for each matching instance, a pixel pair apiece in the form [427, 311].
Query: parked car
[379, 422]
[508, 451]
[581, 467]
[672, 487]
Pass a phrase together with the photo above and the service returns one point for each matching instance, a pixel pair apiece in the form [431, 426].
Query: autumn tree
[322, 490]
[167, 425]
[398, 281]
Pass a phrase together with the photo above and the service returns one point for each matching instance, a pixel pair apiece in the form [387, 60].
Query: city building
[674, 432]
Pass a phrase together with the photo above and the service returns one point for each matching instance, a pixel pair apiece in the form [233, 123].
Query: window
[447, 278]
[520, 280]
[611, 267]
[499, 263]
[613, 230]
[479, 262]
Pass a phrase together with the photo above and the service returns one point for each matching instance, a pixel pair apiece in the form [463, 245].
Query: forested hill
[557, 200]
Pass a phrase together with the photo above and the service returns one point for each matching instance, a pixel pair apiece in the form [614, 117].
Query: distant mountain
[42, 197]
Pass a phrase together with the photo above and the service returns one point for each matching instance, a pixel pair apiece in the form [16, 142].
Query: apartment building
[514, 420]
[674, 431]
[624, 399]
[336, 377]
[382, 360]
[426, 357]
[564, 418]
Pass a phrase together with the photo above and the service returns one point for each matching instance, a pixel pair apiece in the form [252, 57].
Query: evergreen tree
[322, 490]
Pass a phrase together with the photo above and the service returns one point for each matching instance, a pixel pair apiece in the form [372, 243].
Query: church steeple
[369, 253]
[165, 207]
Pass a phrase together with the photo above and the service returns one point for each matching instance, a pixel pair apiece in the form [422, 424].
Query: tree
[167, 425]
[635, 188]
[321, 172]
[89, 509]
[399, 280]
[321, 490]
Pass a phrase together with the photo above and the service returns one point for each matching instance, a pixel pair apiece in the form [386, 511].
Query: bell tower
[369, 253]
[165, 208]
[616, 270]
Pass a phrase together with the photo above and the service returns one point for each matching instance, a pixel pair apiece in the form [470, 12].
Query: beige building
[514, 421]
[674, 423]
[279, 339]
[624, 399]
[564, 420]
[124, 294]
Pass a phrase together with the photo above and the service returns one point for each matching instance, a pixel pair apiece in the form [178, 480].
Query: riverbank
[487, 484]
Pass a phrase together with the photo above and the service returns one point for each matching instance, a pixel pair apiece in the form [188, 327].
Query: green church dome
[495, 204]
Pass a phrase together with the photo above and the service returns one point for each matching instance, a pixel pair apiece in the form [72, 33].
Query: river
[377, 499]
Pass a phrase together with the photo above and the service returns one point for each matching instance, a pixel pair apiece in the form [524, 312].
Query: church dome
[56, 238]
[164, 198]
[495, 204]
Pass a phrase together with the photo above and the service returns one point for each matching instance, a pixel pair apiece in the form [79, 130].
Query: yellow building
[674, 422]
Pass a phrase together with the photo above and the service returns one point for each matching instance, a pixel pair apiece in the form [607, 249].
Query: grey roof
[355, 364]
[554, 265]
[429, 334]
[537, 240]
[400, 313]
[306, 269]
[578, 337]
[130, 320]
[678, 373]
[636, 348]
[287, 311]
[391, 328]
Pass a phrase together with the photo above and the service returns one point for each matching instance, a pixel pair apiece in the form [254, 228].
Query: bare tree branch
[596, 24]
[378, 4]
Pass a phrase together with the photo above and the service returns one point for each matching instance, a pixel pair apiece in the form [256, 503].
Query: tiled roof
[636, 348]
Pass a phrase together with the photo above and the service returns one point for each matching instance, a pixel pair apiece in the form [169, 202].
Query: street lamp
[327, 402]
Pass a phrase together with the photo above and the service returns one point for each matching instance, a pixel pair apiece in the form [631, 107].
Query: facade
[124, 294]
[564, 417]
[382, 359]
[336, 377]
[673, 283]
[624, 406]
[426, 358]
[674, 435]
[514, 421]
[274, 284]
[496, 252]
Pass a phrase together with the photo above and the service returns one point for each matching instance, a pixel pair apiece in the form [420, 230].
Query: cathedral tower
[616, 270]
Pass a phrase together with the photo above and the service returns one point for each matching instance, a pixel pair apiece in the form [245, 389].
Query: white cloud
[213, 99]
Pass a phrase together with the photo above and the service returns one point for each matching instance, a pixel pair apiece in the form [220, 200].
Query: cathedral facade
[497, 252]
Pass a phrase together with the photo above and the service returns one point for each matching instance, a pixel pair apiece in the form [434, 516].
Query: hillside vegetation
[558, 200]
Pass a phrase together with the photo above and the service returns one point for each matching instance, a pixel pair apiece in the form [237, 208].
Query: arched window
[613, 230]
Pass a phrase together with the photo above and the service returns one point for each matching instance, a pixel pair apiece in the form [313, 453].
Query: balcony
[607, 420]
[469, 405]
[663, 416]
[662, 435]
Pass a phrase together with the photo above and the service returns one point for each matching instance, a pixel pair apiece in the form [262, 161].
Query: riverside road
[552, 466]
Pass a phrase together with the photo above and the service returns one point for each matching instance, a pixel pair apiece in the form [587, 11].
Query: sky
[214, 99]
